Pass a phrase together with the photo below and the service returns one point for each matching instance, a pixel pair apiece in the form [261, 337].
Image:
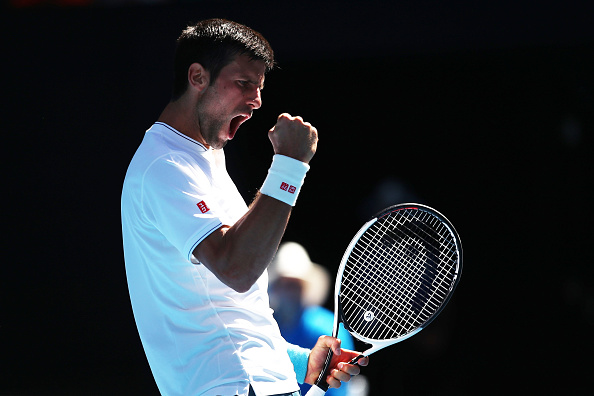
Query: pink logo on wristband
[285, 187]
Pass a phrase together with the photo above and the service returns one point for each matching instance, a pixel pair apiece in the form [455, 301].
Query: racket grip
[321, 381]
[315, 391]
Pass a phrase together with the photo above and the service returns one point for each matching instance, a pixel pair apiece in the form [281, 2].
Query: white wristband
[285, 178]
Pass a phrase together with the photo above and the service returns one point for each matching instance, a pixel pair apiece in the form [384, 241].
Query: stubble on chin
[210, 130]
[212, 133]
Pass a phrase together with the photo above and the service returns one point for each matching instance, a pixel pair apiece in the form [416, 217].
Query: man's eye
[243, 83]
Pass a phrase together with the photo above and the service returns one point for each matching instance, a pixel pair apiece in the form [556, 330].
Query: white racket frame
[377, 345]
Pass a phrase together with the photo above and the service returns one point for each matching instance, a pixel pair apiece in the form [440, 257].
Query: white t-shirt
[200, 336]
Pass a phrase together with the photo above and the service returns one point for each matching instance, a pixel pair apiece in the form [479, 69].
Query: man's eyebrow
[260, 86]
[252, 81]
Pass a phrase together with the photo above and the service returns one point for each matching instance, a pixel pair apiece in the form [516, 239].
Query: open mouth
[236, 123]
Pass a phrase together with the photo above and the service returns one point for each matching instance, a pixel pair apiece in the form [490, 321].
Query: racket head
[397, 274]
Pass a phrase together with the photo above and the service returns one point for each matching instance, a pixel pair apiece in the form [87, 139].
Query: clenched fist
[294, 138]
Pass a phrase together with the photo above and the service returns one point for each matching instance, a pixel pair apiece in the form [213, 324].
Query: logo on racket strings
[368, 316]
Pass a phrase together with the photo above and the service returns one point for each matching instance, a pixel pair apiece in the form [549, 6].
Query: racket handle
[315, 391]
[321, 383]
[321, 386]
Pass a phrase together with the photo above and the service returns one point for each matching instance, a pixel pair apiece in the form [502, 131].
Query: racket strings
[372, 291]
[385, 316]
[387, 301]
[392, 309]
[444, 254]
[390, 273]
[386, 275]
[432, 234]
[373, 304]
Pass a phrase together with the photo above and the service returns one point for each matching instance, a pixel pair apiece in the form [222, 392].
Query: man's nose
[256, 99]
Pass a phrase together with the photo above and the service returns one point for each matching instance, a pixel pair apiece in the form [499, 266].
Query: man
[196, 255]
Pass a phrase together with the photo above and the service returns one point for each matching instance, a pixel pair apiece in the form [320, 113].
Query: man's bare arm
[238, 255]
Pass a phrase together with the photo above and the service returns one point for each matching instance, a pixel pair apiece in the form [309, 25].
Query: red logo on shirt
[286, 187]
[202, 206]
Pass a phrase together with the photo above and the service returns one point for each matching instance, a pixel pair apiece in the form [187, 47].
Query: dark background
[485, 112]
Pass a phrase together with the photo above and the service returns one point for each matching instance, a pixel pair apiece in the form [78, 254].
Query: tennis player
[196, 255]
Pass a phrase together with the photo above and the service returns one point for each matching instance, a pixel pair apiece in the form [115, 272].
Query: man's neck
[176, 114]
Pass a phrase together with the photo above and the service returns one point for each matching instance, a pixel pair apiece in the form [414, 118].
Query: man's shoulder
[156, 150]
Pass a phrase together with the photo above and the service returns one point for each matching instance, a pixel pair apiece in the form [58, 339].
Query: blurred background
[483, 110]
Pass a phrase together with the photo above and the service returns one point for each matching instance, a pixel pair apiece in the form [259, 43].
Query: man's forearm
[238, 255]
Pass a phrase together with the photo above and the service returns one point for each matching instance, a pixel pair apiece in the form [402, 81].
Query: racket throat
[378, 345]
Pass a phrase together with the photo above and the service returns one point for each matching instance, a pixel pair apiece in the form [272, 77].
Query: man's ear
[198, 77]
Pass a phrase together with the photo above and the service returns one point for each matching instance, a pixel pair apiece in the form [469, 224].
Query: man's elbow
[242, 288]
[238, 273]
[240, 281]
[239, 284]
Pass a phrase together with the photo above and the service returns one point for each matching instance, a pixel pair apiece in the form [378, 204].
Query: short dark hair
[214, 43]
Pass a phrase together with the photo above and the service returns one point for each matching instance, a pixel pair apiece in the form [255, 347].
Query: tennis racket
[395, 277]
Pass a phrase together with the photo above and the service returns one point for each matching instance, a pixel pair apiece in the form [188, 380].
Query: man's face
[230, 101]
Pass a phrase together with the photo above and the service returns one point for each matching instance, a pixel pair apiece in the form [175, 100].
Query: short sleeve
[177, 197]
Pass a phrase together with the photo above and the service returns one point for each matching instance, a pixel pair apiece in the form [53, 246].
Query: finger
[341, 375]
[333, 382]
[364, 361]
[330, 342]
[349, 369]
[335, 346]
